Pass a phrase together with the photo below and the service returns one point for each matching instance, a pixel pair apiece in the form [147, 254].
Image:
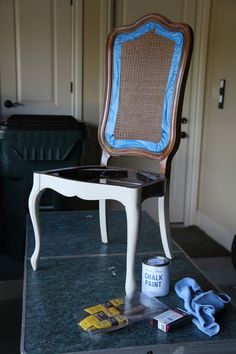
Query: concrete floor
[221, 272]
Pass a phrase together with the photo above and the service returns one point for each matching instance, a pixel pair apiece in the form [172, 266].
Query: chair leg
[164, 223]
[103, 220]
[34, 200]
[133, 222]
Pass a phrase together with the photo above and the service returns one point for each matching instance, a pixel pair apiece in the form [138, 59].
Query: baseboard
[214, 230]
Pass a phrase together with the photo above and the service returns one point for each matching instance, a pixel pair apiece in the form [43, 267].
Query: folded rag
[201, 305]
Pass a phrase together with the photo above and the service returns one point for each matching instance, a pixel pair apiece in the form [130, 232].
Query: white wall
[217, 189]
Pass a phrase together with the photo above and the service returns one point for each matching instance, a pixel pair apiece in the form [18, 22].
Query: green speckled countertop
[76, 270]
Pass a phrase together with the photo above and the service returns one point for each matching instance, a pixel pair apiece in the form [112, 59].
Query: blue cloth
[177, 38]
[201, 305]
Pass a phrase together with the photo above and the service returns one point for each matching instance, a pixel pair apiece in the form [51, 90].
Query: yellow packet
[104, 316]
[86, 323]
[94, 309]
[117, 302]
[102, 324]
[122, 320]
[101, 321]
[98, 320]
[112, 322]
[111, 311]
[110, 308]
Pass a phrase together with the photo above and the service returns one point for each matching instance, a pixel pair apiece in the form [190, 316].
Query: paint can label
[155, 276]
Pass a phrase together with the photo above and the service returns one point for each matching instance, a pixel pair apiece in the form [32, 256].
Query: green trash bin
[31, 143]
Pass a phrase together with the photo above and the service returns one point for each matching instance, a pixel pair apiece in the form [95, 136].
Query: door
[127, 11]
[36, 57]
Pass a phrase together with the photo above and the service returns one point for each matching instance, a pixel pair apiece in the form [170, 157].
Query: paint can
[155, 276]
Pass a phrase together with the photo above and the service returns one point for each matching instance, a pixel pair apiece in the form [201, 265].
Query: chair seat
[150, 183]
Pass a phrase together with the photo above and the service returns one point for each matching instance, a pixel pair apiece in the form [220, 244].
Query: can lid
[157, 261]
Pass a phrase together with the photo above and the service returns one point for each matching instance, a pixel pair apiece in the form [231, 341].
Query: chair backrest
[147, 65]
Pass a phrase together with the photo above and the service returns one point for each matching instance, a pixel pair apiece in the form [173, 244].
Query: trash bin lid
[42, 122]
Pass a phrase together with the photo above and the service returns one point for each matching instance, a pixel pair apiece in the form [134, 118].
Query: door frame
[199, 63]
[77, 28]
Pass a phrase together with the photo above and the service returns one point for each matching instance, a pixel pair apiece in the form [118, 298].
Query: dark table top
[76, 270]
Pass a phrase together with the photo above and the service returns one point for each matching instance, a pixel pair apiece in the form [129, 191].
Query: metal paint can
[155, 276]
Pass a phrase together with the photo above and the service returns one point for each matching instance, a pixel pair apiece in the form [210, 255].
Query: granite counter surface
[76, 271]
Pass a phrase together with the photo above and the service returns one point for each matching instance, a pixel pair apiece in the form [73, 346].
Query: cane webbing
[145, 66]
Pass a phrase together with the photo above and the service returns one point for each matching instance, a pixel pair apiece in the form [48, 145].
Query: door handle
[184, 120]
[183, 135]
[10, 104]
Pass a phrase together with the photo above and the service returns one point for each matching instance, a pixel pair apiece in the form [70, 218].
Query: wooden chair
[146, 70]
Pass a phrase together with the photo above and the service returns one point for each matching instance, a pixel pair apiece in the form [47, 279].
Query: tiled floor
[221, 272]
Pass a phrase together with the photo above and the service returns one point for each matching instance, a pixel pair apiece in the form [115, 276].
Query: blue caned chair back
[147, 68]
